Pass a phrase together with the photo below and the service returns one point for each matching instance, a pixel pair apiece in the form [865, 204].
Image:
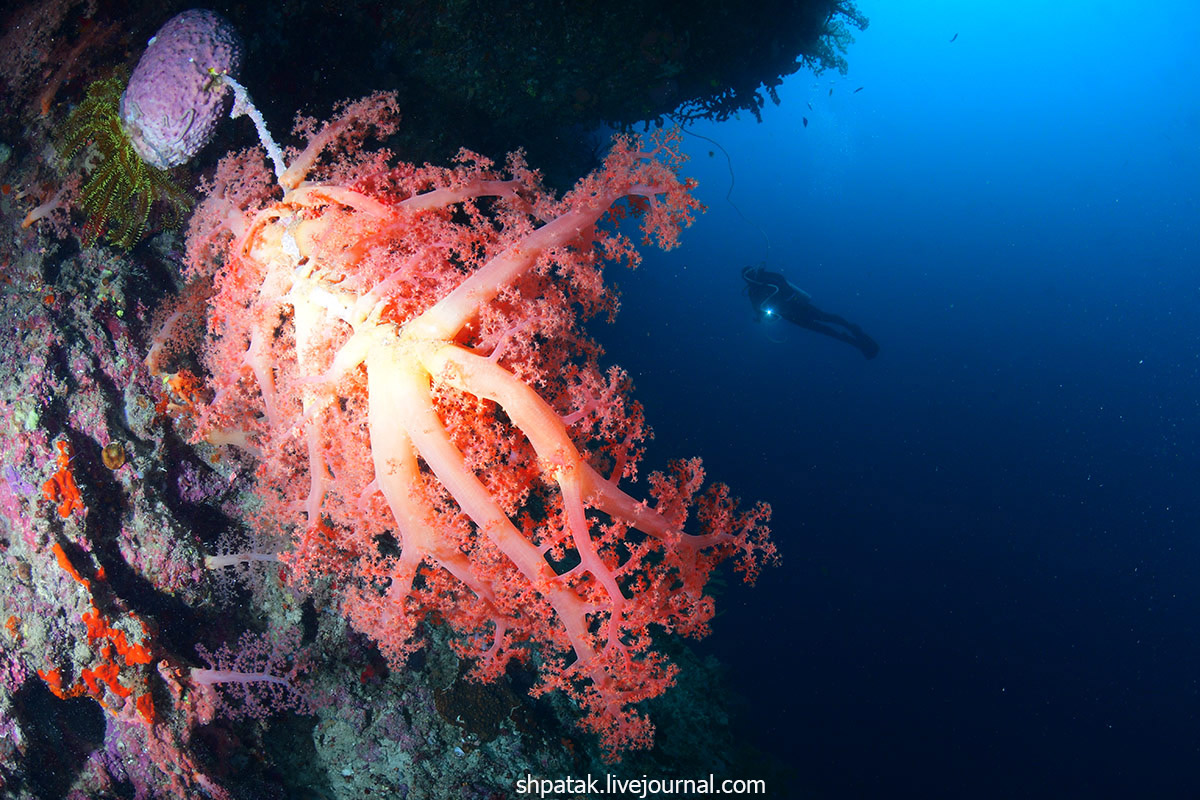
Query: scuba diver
[772, 296]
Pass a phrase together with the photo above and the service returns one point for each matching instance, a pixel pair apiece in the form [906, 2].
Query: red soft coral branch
[404, 352]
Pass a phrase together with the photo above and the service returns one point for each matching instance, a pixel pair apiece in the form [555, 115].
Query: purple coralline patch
[172, 104]
[15, 482]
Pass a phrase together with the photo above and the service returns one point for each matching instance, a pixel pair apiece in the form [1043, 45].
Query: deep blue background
[991, 533]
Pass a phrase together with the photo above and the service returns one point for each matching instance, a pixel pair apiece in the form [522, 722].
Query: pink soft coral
[404, 353]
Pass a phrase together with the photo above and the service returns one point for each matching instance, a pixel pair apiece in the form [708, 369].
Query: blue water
[991, 532]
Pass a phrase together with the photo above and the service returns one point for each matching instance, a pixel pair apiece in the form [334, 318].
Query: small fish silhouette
[859, 89]
[952, 38]
[810, 106]
[831, 91]
[805, 121]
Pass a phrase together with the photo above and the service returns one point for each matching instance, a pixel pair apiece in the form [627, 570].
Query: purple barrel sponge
[172, 104]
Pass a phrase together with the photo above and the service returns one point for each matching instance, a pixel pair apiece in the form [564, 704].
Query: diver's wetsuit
[772, 295]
